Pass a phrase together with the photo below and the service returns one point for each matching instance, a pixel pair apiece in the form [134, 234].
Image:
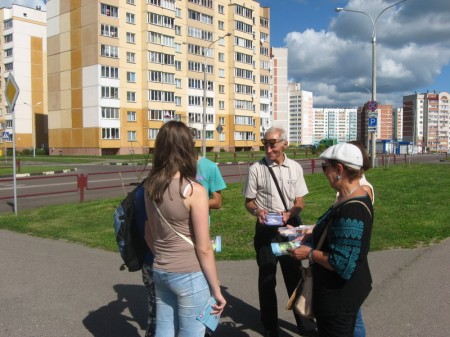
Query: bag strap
[184, 237]
[322, 237]
[276, 184]
[360, 202]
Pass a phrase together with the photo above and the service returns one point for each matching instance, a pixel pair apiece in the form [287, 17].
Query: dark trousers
[267, 263]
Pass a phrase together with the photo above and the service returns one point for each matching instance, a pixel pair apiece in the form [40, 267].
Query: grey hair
[274, 129]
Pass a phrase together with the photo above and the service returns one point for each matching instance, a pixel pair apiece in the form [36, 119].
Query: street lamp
[205, 66]
[33, 126]
[374, 70]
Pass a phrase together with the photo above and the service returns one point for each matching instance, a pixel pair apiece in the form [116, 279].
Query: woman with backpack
[177, 232]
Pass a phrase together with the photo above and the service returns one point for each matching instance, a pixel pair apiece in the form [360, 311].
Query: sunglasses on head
[271, 142]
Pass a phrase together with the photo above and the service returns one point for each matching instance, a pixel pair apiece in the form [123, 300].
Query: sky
[328, 52]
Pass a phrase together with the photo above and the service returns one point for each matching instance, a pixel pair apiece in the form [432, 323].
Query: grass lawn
[412, 208]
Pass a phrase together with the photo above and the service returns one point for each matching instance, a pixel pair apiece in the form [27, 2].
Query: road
[105, 181]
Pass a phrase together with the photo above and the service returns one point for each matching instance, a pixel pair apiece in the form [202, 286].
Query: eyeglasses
[271, 142]
[324, 166]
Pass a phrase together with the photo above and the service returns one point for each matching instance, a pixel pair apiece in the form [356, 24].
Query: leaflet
[280, 248]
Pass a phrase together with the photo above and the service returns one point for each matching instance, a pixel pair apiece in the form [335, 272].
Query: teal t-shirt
[208, 174]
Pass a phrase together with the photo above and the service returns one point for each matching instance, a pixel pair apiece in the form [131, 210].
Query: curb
[45, 173]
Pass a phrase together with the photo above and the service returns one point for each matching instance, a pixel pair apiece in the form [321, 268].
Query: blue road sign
[5, 135]
[372, 105]
[372, 122]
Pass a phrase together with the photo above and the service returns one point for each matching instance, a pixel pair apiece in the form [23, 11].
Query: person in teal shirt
[208, 174]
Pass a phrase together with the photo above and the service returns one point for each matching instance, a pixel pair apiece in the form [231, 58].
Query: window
[110, 92]
[131, 57]
[109, 10]
[8, 38]
[160, 115]
[131, 96]
[109, 51]
[7, 24]
[110, 113]
[221, 57]
[177, 100]
[108, 30]
[110, 72]
[161, 96]
[221, 105]
[9, 52]
[178, 12]
[221, 72]
[160, 20]
[152, 133]
[130, 2]
[221, 25]
[221, 9]
[110, 133]
[178, 83]
[222, 120]
[131, 76]
[131, 18]
[131, 38]
[221, 89]
[178, 65]
[131, 136]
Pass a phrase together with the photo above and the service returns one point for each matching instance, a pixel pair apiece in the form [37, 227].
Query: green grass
[411, 209]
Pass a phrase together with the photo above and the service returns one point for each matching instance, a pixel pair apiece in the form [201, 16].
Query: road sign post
[11, 94]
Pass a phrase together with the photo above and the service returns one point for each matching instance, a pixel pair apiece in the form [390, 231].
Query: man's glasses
[271, 142]
[324, 166]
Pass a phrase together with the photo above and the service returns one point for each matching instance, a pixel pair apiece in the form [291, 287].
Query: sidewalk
[53, 288]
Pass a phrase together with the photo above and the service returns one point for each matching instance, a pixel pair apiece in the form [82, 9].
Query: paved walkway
[53, 288]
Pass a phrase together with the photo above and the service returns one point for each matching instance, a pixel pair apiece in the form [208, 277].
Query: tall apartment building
[384, 129]
[426, 121]
[24, 56]
[119, 68]
[301, 115]
[279, 89]
[336, 123]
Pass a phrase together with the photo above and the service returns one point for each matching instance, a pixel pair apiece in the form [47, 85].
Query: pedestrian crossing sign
[5, 135]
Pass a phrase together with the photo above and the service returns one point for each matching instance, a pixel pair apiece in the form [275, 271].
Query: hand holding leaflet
[210, 320]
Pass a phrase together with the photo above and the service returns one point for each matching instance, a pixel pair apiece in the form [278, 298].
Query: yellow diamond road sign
[11, 92]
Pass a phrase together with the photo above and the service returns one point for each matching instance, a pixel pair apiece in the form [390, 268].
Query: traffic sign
[219, 128]
[372, 105]
[5, 135]
[11, 92]
[372, 121]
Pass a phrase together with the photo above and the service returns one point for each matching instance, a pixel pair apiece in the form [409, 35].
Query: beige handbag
[302, 297]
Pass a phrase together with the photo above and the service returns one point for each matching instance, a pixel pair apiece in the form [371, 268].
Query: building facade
[24, 56]
[426, 121]
[301, 115]
[118, 70]
[340, 124]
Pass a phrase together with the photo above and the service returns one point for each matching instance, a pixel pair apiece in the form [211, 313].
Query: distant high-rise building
[279, 89]
[119, 69]
[426, 121]
[340, 124]
[301, 115]
[24, 56]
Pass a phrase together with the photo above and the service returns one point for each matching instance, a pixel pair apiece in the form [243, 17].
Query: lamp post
[33, 127]
[374, 54]
[205, 66]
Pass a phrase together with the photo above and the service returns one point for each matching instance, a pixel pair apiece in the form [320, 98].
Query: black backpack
[130, 240]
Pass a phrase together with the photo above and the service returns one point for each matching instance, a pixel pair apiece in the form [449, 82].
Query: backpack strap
[184, 237]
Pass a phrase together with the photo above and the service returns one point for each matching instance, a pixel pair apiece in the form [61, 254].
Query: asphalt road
[52, 288]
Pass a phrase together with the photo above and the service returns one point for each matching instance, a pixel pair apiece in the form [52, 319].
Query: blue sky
[330, 51]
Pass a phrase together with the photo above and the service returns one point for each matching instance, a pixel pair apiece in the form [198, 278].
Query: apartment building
[279, 109]
[336, 123]
[24, 56]
[118, 69]
[384, 130]
[301, 115]
[426, 121]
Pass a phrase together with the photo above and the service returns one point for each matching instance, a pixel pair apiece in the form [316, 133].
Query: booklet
[211, 321]
[280, 248]
[294, 231]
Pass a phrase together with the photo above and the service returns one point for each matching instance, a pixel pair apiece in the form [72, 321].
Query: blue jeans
[179, 299]
[360, 329]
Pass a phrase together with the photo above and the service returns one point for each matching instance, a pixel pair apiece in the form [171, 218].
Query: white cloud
[413, 46]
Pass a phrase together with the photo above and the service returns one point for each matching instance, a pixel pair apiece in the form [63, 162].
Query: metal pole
[14, 160]
[205, 65]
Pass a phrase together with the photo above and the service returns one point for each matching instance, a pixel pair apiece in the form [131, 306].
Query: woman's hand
[299, 253]
[220, 305]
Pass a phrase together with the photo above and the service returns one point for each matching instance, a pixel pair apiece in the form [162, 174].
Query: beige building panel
[54, 83]
[66, 119]
[76, 58]
[65, 80]
[75, 17]
[54, 120]
[53, 45]
[75, 39]
[66, 43]
[65, 61]
[54, 103]
[89, 35]
[53, 66]
[89, 12]
[76, 78]
[89, 55]
[64, 23]
[91, 137]
[77, 138]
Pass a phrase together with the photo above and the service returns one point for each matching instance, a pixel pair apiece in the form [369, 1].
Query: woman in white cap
[342, 279]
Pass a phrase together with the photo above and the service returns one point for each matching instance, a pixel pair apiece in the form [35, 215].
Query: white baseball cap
[347, 154]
